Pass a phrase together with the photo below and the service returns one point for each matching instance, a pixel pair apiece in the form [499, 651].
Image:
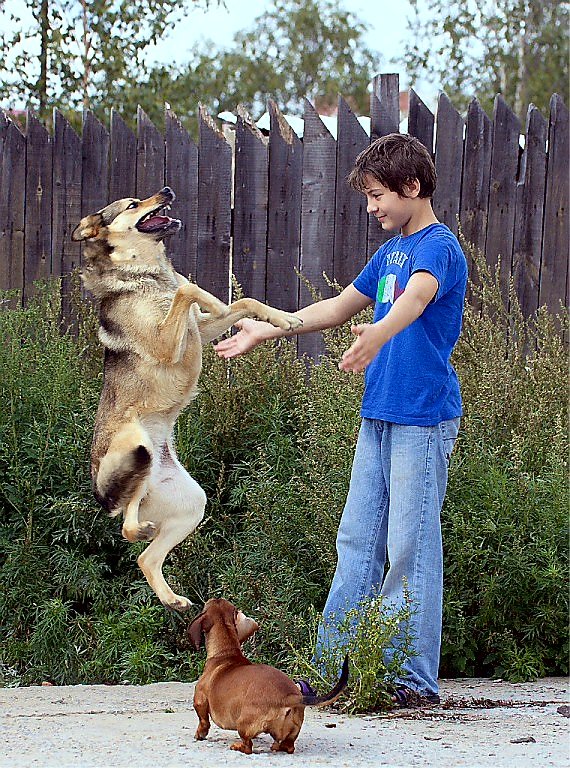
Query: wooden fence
[276, 204]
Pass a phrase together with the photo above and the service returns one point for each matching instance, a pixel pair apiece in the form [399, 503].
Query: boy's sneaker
[407, 698]
[305, 688]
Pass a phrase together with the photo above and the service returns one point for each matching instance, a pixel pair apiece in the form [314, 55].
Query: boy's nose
[371, 206]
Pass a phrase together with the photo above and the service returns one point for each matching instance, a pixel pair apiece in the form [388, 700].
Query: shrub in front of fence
[271, 439]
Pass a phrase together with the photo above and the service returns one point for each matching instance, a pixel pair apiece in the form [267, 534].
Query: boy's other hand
[369, 342]
[250, 334]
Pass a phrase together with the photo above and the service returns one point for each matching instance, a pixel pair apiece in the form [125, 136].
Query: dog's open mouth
[154, 221]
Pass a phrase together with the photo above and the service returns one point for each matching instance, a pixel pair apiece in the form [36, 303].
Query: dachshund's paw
[283, 747]
[142, 532]
[239, 746]
[200, 735]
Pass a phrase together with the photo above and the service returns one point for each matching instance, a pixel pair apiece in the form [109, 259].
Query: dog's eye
[132, 205]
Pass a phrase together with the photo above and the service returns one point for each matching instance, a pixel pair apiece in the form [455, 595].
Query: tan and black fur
[242, 696]
[153, 323]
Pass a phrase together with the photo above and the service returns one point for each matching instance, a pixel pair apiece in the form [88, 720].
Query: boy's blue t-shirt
[411, 380]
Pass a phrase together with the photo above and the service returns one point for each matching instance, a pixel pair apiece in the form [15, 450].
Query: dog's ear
[88, 227]
[196, 629]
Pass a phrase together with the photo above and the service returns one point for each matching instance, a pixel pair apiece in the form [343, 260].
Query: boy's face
[391, 211]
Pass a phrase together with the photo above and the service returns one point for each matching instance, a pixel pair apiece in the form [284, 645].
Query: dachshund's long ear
[88, 227]
[195, 630]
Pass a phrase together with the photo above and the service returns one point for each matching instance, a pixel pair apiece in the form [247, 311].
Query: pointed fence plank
[12, 203]
[502, 190]
[95, 142]
[250, 207]
[38, 230]
[476, 170]
[214, 209]
[351, 219]
[182, 177]
[529, 212]
[385, 105]
[376, 236]
[554, 273]
[448, 163]
[384, 119]
[123, 167]
[284, 213]
[317, 217]
[420, 121]
[66, 254]
[150, 157]
[66, 195]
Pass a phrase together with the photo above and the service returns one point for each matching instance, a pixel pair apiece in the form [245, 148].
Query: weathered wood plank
[38, 226]
[284, 213]
[448, 163]
[502, 190]
[380, 123]
[214, 208]
[351, 219]
[66, 254]
[317, 217]
[250, 207]
[150, 157]
[420, 121]
[182, 177]
[385, 105]
[554, 272]
[12, 202]
[476, 170]
[95, 142]
[529, 213]
[123, 166]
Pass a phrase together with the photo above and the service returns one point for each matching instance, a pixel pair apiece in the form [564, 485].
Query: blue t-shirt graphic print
[411, 380]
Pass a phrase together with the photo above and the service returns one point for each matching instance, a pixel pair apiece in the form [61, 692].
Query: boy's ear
[413, 189]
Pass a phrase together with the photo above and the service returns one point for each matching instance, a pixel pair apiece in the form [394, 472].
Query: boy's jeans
[397, 487]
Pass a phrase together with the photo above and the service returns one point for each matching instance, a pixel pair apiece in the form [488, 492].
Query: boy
[411, 404]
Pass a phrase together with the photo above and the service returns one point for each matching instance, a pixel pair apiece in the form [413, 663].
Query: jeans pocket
[449, 430]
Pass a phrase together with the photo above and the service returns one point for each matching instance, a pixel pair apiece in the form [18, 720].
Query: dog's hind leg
[132, 529]
[177, 508]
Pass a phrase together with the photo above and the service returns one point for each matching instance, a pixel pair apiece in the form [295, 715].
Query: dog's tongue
[153, 223]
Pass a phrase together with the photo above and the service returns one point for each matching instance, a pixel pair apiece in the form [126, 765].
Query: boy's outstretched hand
[250, 334]
[370, 340]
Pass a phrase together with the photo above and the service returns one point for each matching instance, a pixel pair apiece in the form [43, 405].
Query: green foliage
[86, 50]
[295, 49]
[271, 440]
[505, 520]
[377, 640]
[518, 48]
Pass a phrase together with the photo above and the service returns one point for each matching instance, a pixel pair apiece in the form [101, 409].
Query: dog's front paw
[142, 532]
[285, 320]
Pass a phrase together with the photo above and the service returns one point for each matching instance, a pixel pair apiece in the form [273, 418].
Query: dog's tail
[114, 487]
[330, 698]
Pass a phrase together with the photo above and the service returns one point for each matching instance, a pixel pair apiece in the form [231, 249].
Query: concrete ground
[480, 723]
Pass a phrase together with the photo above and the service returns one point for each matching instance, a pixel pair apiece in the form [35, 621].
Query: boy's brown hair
[395, 160]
